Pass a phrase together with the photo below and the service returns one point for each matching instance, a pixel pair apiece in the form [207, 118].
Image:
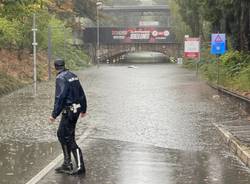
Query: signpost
[192, 50]
[218, 47]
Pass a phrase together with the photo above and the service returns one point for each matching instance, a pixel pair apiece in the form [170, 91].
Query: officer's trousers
[66, 129]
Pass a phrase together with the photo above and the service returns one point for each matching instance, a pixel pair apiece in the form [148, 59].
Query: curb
[236, 147]
[229, 92]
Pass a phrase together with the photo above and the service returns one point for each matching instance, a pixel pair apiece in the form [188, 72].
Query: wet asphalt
[153, 124]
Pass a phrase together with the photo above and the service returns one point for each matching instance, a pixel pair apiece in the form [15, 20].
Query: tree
[85, 8]
[229, 16]
[191, 13]
[180, 28]
[20, 14]
[9, 33]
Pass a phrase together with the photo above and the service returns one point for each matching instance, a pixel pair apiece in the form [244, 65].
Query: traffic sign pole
[199, 58]
[218, 69]
[218, 47]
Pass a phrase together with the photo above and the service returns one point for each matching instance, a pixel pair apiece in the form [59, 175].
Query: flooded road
[153, 124]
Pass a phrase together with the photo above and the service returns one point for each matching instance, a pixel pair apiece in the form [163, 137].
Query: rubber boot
[80, 168]
[67, 166]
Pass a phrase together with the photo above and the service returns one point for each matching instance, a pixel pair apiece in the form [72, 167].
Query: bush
[234, 62]
[61, 45]
[75, 58]
[234, 70]
[9, 34]
[243, 81]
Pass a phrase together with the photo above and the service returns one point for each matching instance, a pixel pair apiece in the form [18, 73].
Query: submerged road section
[153, 124]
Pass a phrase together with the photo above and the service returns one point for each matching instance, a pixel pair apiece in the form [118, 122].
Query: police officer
[70, 100]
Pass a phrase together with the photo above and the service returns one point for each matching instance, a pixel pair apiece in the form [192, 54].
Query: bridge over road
[129, 34]
[117, 41]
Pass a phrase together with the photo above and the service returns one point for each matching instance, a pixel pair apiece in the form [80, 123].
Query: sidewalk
[237, 135]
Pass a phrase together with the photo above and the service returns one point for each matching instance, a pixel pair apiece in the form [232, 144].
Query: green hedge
[233, 68]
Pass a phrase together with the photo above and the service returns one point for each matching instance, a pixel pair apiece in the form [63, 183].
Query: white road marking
[58, 159]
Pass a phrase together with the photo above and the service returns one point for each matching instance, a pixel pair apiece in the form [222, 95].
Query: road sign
[192, 47]
[218, 44]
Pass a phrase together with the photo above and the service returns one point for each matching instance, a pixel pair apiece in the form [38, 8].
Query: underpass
[111, 43]
[153, 123]
[116, 42]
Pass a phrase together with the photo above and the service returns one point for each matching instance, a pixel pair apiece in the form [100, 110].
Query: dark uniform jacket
[68, 91]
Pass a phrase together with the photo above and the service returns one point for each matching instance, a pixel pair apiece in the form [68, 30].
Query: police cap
[59, 64]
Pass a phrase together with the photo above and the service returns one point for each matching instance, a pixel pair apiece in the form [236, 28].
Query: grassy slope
[8, 83]
[16, 72]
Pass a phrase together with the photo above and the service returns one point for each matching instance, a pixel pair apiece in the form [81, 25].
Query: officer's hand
[83, 114]
[51, 119]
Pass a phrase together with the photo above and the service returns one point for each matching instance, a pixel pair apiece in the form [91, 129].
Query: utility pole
[49, 52]
[64, 43]
[34, 54]
[98, 6]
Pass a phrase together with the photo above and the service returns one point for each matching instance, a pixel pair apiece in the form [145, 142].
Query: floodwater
[145, 57]
[153, 124]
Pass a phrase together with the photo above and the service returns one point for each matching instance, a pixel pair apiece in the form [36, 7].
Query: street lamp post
[98, 6]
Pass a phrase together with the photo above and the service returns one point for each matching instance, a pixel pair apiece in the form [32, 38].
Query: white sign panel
[192, 46]
[148, 23]
[140, 35]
